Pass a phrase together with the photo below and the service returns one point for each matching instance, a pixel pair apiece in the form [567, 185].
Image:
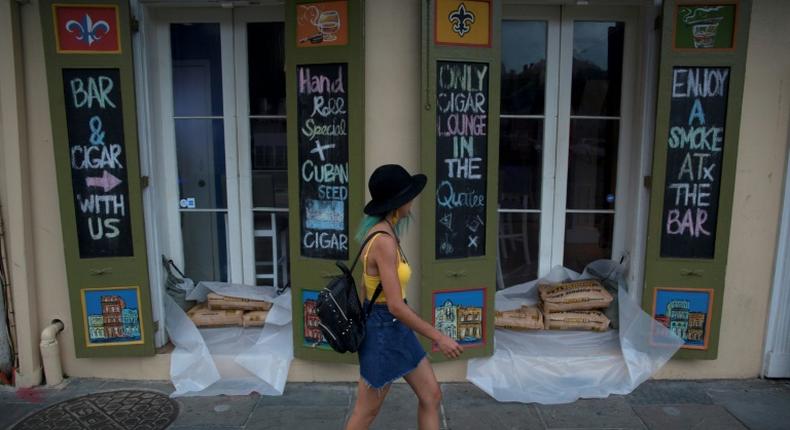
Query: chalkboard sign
[322, 121]
[694, 156]
[461, 142]
[94, 119]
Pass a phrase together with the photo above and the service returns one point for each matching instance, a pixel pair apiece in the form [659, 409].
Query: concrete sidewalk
[722, 404]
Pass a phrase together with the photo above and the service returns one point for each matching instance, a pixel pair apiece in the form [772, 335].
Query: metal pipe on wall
[50, 353]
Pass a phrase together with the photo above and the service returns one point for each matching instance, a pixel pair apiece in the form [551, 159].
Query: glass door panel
[527, 124]
[561, 125]
[597, 68]
[594, 126]
[261, 104]
[524, 67]
[520, 169]
[198, 123]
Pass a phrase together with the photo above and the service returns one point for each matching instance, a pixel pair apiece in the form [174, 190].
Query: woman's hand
[449, 347]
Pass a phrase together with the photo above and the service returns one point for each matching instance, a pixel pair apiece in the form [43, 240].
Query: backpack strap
[362, 247]
[379, 287]
[376, 294]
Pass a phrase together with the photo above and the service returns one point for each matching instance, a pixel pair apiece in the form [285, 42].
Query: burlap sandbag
[202, 316]
[255, 318]
[217, 301]
[574, 296]
[576, 320]
[524, 318]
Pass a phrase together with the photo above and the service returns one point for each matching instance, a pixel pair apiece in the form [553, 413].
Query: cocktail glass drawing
[704, 33]
[704, 22]
[328, 23]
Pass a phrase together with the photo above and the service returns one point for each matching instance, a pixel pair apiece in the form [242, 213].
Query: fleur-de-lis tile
[86, 30]
[462, 20]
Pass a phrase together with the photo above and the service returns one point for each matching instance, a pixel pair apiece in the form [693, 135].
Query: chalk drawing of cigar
[316, 38]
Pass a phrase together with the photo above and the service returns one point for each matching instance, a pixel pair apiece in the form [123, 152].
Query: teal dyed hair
[368, 221]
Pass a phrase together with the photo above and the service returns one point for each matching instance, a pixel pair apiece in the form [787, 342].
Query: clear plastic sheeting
[552, 367]
[231, 360]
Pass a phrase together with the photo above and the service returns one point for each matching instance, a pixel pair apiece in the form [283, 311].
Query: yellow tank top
[372, 281]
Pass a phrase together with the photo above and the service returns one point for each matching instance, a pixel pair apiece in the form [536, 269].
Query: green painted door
[697, 125]
[326, 178]
[459, 153]
[92, 105]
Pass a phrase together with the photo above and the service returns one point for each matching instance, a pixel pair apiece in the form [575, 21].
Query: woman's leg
[423, 382]
[368, 404]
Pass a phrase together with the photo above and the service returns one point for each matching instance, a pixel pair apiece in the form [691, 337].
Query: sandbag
[576, 320]
[217, 301]
[524, 318]
[204, 317]
[254, 318]
[574, 296]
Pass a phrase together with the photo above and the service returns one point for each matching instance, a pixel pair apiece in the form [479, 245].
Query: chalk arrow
[106, 181]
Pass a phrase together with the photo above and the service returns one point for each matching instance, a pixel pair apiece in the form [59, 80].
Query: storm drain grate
[124, 409]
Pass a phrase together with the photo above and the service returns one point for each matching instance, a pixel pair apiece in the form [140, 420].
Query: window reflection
[519, 237]
[197, 69]
[266, 59]
[523, 67]
[520, 163]
[200, 149]
[592, 163]
[269, 164]
[588, 237]
[204, 236]
[597, 68]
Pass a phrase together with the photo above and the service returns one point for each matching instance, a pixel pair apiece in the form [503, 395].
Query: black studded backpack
[341, 316]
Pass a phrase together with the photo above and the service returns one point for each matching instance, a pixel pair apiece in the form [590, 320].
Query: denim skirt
[389, 350]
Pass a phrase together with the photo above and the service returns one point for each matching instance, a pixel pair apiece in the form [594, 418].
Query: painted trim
[144, 133]
[246, 209]
[780, 292]
[648, 91]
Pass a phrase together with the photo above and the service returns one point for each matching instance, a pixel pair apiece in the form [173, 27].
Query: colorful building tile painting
[86, 29]
[312, 333]
[686, 313]
[466, 23]
[705, 26]
[322, 24]
[112, 316]
[460, 314]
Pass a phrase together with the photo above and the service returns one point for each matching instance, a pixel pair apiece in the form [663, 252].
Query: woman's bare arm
[386, 259]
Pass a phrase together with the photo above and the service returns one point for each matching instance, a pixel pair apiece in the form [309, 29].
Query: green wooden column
[324, 46]
[700, 91]
[88, 55]
[459, 152]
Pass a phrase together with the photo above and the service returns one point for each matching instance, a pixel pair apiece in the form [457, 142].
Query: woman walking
[390, 349]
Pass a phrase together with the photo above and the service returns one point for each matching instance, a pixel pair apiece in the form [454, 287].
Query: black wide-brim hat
[391, 186]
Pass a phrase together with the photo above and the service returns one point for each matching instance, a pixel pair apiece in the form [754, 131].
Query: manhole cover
[125, 409]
